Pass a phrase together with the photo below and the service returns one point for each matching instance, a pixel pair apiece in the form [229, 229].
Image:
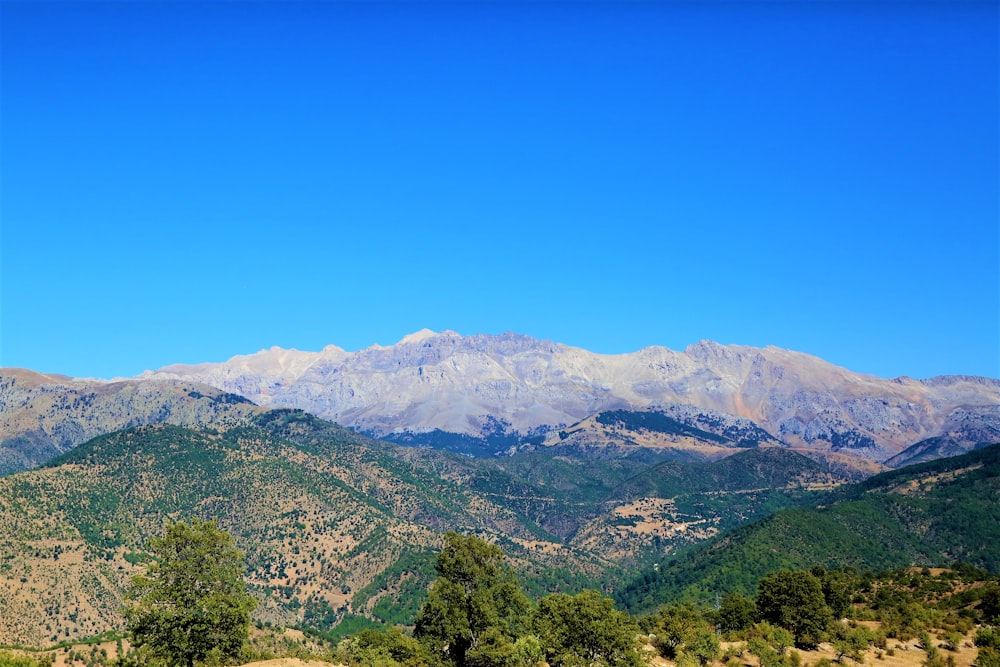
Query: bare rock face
[469, 384]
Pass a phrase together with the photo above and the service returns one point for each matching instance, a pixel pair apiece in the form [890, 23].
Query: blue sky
[183, 182]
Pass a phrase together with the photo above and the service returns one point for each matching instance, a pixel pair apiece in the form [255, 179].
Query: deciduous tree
[674, 626]
[192, 601]
[737, 612]
[475, 592]
[794, 600]
[586, 629]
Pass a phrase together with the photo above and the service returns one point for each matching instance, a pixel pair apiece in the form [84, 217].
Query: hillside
[680, 432]
[482, 394]
[42, 416]
[970, 431]
[340, 527]
[638, 508]
[318, 523]
[674, 505]
[683, 433]
[943, 511]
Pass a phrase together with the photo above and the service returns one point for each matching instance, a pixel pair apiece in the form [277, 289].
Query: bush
[988, 657]
[11, 660]
[933, 658]
[953, 640]
[988, 638]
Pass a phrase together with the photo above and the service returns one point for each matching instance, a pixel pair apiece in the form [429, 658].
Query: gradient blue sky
[183, 182]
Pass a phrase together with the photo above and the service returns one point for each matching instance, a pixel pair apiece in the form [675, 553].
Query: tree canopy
[794, 600]
[191, 602]
[475, 607]
[586, 629]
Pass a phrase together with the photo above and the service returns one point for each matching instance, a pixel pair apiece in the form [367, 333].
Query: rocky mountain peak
[417, 337]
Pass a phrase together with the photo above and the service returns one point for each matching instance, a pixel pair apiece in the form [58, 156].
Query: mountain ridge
[469, 384]
[44, 415]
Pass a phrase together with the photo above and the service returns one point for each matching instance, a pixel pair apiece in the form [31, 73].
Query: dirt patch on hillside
[897, 654]
[289, 662]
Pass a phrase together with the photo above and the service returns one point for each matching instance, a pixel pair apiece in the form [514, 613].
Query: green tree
[475, 592]
[989, 603]
[838, 588]
[191, 602]
[704, 646]
[794, 600]
[737, 612]
[765, 653]
[494, 649]
[776, 637]
[674, 626]
[586, 630]
[528, 652]
[848, 642]
[374, 648]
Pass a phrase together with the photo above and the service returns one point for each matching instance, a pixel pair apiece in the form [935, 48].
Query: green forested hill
[765, 468]
[319, 522]
[337, 526]
[943, 511]
[608, 506]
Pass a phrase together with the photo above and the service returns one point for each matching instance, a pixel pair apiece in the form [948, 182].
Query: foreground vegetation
[480, 618]
[476, 614]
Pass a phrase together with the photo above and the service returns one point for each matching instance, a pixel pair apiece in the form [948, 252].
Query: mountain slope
[966, 431]
[318, 521]
[335, 524]
[941, 511]
[674, 505]
[42, 416]
[487, 387]
[677, 431]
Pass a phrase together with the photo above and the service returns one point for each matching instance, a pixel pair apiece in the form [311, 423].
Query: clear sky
[183, 182]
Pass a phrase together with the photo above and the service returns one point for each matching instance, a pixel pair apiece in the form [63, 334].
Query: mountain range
[497, 391]
[484, 395]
